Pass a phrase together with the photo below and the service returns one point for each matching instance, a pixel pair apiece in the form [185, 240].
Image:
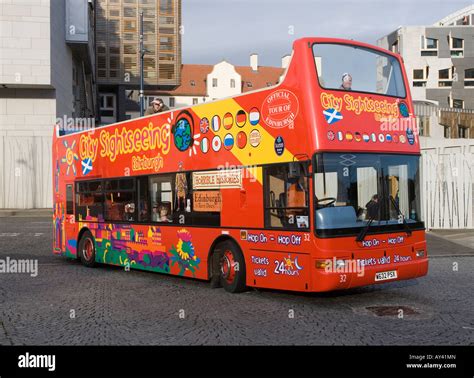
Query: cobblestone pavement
[111, 306]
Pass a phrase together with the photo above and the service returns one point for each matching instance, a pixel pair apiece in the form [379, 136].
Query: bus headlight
[420, 253]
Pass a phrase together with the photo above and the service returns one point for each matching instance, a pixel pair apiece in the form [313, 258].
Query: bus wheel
[87, 249]
[232, 268]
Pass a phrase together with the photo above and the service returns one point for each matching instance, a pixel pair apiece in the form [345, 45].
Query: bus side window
[161, 196]
[120, 204]
[286, 198]
[89, 200]
[69, 200]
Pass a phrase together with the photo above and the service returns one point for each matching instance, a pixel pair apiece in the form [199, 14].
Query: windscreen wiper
[405, 223]
[363, 232]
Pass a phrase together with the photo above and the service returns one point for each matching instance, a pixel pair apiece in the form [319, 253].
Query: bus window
[351, 68]
[144, 213]
[352, 189]
[161, 196]
[69, 200]
[89, 200]
[286, 194]
[120, 204]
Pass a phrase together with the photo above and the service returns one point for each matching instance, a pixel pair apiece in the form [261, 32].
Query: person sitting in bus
[373, 207]
[144, 211]
[163, 214]
[346, 82]
[129, 211]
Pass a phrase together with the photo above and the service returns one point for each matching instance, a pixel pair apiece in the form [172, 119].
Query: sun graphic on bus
[70, 157]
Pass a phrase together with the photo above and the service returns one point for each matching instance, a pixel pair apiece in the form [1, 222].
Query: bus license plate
[382, 276]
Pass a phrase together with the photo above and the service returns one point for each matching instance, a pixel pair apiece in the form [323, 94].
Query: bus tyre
[232, 267]
[87, 249]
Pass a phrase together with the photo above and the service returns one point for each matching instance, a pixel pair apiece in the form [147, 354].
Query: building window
[469, 77]
[195, 101]
[166, 6]
[232, 83]
[420, 77]
[463, 132]
[457, 103]
[193, 83]
[249, 84]
[395, 47]
[423, 125]
[457, 47]
[429, 46]
[172, 102]
[447, 132]
[418, 74]
[214, 83]
[445, 77]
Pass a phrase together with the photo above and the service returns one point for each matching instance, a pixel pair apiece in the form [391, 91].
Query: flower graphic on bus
[183, 254]
[70, 157]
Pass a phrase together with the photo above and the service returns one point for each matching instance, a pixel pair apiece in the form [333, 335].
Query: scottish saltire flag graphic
[332, 115]
[86, 166]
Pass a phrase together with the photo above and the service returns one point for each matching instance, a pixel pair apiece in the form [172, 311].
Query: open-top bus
[309, 185]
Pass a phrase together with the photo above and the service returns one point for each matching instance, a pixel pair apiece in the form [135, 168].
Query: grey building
[439, 59]
[118, 55]
[47, 76]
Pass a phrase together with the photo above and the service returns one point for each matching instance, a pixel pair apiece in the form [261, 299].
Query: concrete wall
[36, 68]
[61, 61]
[25, 42]
[26, 116]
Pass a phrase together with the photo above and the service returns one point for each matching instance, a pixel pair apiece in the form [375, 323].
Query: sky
[233, 29]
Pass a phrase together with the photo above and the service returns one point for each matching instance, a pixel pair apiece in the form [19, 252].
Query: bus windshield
[353, 189]
[354, 68]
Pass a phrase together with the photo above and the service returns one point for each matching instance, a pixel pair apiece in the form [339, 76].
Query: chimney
[285, 61]
[254, 61]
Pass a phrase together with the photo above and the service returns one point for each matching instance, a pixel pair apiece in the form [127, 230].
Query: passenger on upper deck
[346, 82]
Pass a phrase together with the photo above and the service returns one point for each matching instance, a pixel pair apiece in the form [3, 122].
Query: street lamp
[142, 55]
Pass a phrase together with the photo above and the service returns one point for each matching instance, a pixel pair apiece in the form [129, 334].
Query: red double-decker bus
[309, 185]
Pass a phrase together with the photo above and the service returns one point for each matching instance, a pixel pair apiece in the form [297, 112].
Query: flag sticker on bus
[241, 139]
[216, 123]
[204, 125]
[216, 143]
[228, 141]
[204, 145]
[86, 166]
[332, 115]
[241, 118]
[228, 121]
[255, 138]
[254, 116]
